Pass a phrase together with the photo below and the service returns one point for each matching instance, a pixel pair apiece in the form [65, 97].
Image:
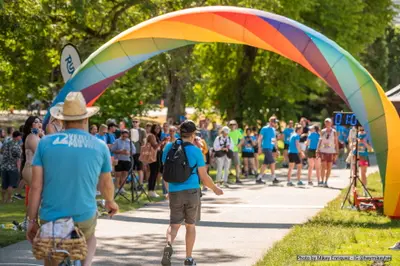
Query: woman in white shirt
[328, 149]
[223, 149]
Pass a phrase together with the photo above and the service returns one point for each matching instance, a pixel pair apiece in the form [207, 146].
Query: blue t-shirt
[164, 135]
[287, 132]
[195, 157]
[292, 143]
[110, 139]
[103, 138]
[343, 133]
[72, 162]
[313, 140]
[248, 144]
[268, 134]
[362, 148]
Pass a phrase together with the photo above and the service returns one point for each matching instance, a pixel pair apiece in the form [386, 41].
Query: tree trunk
[176, 100]
[243, 77]
[178, 77]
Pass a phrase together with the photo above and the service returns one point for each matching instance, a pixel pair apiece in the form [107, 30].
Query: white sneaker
[122, 191]
[153, 194]
[395, 246]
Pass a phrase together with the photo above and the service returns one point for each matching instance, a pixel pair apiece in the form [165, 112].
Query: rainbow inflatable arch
[264, 30]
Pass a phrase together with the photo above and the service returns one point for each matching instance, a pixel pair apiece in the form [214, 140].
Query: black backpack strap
[185, 144]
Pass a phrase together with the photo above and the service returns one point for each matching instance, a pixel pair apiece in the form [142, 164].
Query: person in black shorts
[295, 156]
[255, 135]
[287, 132]
[138, 137]
[303, 137]
[248, 143]
[123, 149]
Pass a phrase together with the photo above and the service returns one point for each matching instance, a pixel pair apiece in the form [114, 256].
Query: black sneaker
[18, 196]
[166, 259]
[275, 181]
[238, 181]
[190, 261]
[259, 181]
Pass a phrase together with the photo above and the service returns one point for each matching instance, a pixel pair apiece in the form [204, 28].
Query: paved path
[236, 228]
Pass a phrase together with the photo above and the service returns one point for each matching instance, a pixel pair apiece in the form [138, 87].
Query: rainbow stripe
[268, 31]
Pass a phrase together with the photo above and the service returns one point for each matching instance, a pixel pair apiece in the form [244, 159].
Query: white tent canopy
[394, 94]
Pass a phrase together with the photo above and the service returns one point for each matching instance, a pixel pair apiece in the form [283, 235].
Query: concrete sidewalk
[236, 228]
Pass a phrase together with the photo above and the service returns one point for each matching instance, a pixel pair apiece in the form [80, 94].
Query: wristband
[33, 221]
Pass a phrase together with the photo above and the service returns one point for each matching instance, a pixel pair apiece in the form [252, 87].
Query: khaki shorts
[185, 206]
[88, 227]
[235, 159]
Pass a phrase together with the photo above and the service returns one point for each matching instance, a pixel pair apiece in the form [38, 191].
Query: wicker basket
[46, 247]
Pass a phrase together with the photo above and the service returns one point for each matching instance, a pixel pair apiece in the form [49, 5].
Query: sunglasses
[36, 121]
[327, 136]
[135, 122]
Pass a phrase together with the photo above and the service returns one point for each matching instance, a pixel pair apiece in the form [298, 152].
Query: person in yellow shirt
[202, 145]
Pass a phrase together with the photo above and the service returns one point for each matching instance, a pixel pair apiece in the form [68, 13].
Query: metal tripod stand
[354, 178]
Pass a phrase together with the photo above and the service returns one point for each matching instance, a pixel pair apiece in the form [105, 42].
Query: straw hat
[74, 108]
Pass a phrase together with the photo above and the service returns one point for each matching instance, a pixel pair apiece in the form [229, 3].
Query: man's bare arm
[207, 181]
[106, 186]
[35, 192]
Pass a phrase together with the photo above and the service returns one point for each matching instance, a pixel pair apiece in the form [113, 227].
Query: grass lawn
[9, 213]
[339, 232]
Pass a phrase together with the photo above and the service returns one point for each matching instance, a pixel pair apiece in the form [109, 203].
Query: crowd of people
[305, 145]
[106, 154]
[232, 151]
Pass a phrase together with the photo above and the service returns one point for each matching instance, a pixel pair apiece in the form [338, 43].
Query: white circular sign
[70, 61]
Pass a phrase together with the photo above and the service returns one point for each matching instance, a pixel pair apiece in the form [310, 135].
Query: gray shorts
[235, 158]
[185, 206]
[10, 178]
[268, 157]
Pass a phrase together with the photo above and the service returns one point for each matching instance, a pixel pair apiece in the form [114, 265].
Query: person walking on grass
[295, 155]
[66, 169]
[123, 149]
[138, 138]
[11, 166]
[313, 161]
[327, 150]
[363, 160]
[265, 146]
[184, 189]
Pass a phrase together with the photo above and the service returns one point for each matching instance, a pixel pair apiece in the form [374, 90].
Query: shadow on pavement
[147, 249]
[208, 223]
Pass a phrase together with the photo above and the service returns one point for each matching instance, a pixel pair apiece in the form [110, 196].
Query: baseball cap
[226, 129]
[112, 124]
[188, 126]
[328, 120]
[232, 122]
[124, 131]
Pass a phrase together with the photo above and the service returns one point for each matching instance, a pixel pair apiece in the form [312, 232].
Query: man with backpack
[184, 167]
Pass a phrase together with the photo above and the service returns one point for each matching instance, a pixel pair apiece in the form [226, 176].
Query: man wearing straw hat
[66, 169]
